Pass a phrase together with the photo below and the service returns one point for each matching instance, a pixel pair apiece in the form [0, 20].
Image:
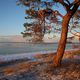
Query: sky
[11, 18]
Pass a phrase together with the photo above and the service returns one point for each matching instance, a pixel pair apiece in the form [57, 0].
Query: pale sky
[12, 17]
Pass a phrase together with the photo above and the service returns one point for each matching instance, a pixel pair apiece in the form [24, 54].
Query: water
[11, 51]
[17, 48]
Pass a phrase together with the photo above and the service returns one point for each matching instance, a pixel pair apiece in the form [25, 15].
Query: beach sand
[40, 68]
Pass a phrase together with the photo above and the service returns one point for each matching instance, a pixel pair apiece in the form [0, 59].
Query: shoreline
[41, 69]
[42, 42]
[21, 56]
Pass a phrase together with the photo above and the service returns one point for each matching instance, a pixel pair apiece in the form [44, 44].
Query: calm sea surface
[15, 48]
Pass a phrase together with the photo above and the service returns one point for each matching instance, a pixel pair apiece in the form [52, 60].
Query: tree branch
[68, 2]
[64, 4]
[76, 2]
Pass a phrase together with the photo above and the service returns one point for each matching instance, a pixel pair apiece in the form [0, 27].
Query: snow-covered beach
[38, 70]
[12, 57]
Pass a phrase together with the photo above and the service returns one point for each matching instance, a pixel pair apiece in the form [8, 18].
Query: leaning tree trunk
[63, 39]
[62, 43]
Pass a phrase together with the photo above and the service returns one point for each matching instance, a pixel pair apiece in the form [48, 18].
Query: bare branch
[75, 34]
[75, 7]
[76, 2]
[67, 7]
[68, 2]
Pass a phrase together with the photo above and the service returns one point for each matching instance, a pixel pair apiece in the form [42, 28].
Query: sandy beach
[40, 68]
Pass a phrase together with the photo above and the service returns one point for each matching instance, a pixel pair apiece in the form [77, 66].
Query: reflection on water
[11, 48]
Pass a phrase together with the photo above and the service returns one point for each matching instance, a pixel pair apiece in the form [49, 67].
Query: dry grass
[50, 56]
[9, 71]
[70, 69]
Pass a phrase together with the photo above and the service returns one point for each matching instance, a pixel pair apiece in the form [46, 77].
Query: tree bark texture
[63, 39]
[62, 43]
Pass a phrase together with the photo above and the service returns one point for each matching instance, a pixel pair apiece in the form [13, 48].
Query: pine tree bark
[62, 43]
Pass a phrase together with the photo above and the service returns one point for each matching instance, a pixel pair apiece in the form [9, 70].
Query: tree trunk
[63, 39]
